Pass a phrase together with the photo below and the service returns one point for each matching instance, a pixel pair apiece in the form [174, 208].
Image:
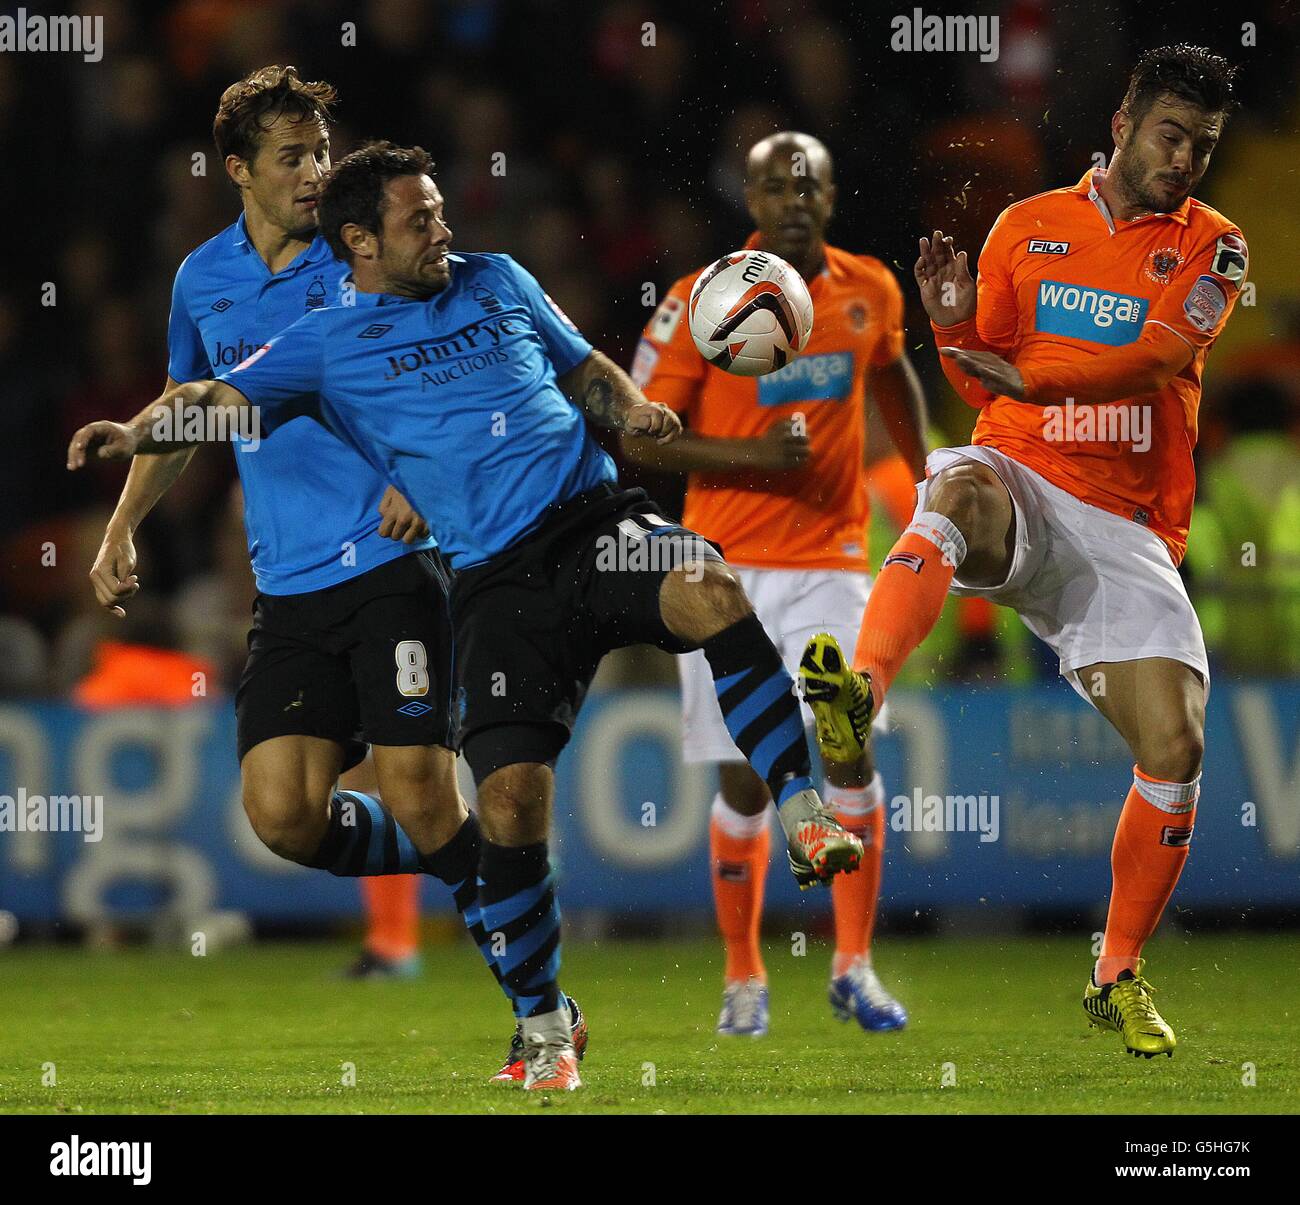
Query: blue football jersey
[310, 499]
[454, 398]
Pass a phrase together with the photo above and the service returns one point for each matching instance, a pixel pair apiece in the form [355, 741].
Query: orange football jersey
[815, 517]
[1060, 282]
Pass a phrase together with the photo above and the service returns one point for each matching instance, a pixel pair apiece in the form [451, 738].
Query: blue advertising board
[995, 797]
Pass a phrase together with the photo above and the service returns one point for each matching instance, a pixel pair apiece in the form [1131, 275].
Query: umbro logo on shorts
[414, 709]
[909, 560]
[1172, 835]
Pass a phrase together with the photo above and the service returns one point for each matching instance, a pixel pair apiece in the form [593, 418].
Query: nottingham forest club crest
[316, 294]
[1162, 264]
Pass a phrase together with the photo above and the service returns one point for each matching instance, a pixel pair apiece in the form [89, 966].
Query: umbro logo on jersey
[1047, 246]
[414, 710]
[223, 305]
[375, 330]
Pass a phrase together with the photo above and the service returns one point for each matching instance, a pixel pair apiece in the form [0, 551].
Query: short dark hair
[1192, 73]
[353, 189]
[249, 108]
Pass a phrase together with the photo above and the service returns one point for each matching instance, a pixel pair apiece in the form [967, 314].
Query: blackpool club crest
[1163, 263]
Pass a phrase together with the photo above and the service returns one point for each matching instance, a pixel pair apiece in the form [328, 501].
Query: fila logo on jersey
[1047, 246]
[1172, 835]
[1229, 259]
[824, 378]
[1114, 319]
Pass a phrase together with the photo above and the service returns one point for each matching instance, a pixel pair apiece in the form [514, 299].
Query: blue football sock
[760, 706]
[363, 839]
[521, 922]
[456, 864]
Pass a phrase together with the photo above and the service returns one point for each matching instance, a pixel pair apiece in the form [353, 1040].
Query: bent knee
[722, 595]
[287, 822]
[1174, 755]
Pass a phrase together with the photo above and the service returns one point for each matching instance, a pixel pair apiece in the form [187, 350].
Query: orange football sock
[854, 896]
[392, 903]
[738, 854]
[907, 597]
[1151, 846]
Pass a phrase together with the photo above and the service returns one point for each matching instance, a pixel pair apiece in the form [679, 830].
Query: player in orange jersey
[1082, 347]
[777, 479]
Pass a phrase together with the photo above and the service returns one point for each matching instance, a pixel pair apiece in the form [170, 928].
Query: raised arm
[782, 448]
[165, 425]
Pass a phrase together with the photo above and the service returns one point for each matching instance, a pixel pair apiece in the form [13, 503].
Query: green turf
[266, 1029]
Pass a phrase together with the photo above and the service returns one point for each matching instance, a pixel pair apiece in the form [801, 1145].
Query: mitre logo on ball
[750, 313]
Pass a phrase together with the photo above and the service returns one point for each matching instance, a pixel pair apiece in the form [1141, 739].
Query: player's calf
[418, 785]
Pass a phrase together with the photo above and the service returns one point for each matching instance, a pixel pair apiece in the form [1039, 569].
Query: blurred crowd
[602, 144]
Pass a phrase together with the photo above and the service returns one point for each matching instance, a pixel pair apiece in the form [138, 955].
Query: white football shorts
[792, 605]
[1093, 586]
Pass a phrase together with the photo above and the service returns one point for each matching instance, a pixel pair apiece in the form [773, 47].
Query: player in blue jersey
[459, 379]
[351, 642]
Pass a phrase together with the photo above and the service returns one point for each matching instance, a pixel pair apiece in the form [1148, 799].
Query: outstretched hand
[993, 372]
[102, 440]
[948, 291]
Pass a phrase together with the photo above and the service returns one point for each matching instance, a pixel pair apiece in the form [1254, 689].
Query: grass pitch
[267, 1029]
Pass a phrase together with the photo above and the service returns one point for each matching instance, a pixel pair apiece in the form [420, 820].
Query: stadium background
[622, 169]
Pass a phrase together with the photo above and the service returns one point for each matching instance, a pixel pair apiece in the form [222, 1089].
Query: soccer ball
[750, 313]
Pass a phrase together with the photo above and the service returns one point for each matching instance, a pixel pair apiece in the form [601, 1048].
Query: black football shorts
[365, 662]
[532, 624]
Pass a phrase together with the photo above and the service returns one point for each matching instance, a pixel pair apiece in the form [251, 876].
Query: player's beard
[1131, 177]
